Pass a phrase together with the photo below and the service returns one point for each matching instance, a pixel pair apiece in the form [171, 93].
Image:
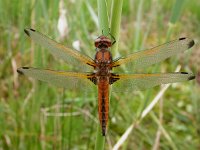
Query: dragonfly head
[103, 42]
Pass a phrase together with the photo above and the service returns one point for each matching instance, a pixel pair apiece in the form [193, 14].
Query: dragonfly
[99, 72]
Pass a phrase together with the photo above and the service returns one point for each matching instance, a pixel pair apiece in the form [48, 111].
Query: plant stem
[103, 29]
[115, 23]
[176, 12]
[138, 25]
[100, 140]
[103, 17]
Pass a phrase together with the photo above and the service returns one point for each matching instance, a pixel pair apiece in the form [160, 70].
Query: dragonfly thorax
[103, 69]
[103, 56]
[103, 60]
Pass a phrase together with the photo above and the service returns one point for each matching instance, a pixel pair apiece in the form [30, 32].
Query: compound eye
[109, 44]
[97, 42]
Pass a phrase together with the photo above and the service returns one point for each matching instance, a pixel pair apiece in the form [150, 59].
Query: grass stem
[115, 24]
[104, 28]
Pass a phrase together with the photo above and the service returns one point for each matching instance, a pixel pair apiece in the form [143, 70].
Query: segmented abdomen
[103, 103]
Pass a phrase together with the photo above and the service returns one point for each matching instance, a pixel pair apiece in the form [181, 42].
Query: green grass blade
[103, 17]
[100, 140]
[176, 12]
[138, 25]
[115, 23]
[103, 27]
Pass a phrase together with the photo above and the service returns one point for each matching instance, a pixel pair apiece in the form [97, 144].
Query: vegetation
[35, 115]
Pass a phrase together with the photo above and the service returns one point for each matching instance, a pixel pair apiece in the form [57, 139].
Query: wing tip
[191, 77]
[27, 31]
[183, 38]
[190, 43]
[184, 73]
[20, 70]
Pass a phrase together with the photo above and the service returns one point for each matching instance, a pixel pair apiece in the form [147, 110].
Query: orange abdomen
[103, 103]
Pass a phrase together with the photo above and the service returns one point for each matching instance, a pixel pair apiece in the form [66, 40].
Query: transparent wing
[58, 50]
[67, 80]
[130, 82]
[149, 57]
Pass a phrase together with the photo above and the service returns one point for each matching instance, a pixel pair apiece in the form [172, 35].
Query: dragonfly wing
[130, 82]
[67, 80]
[58, 50]
[157, 54]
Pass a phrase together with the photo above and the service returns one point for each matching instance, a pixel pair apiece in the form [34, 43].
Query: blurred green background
[35, 115]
